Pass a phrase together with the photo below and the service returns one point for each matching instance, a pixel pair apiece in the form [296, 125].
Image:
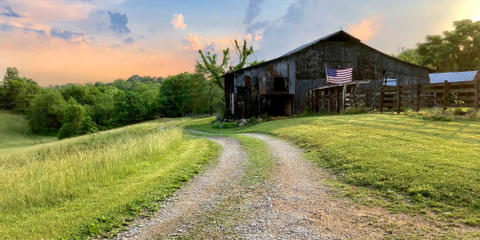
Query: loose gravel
[201, 194]
[294, 203]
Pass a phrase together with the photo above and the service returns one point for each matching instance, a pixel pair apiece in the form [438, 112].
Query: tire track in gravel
[200, 195]
[298, 206]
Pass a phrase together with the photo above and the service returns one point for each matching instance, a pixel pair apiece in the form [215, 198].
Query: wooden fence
[395, 98]
[446, 94]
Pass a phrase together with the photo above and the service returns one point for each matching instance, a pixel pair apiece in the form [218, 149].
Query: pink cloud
[178, 21]
[192, 41]
[367, 29]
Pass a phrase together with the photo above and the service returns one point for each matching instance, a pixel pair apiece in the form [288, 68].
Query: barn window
[248, 81]
[390, 82]
[280, 84]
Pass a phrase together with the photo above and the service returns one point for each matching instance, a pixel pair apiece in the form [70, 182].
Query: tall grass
[14, 132]
[67, 185]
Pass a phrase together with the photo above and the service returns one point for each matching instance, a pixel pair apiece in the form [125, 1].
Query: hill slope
[14, 132]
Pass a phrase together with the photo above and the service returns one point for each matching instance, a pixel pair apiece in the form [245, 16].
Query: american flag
[339, 75]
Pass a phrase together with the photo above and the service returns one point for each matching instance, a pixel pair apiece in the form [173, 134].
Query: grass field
[14, 132]
[92, 184]
[416, 165]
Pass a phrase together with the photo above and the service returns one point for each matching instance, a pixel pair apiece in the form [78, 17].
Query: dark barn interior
[281, 86]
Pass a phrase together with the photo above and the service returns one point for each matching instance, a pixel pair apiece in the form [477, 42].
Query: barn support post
[477, 83]
[329, 99]
[323, 100]
[317, 101]
[337, 100]
[366, 99]
[352, 96]
[446, 92]
[399, 99]
[382, 95]
[311, 100]
[344, 96]
[417, 98]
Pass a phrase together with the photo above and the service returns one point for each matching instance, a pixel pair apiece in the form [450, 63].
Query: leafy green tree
[45, 113]
[75, 122]
[214, 70]
[128, 108]
[84, 94]
[17, 91]
[188, 93]
[411, 56]
[102, 111]
[457, 50]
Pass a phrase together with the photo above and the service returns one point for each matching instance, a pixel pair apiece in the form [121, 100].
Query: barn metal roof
[453, 76]
[340, 35]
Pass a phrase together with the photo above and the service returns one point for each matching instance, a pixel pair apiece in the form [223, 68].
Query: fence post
[417, 98]
[399, 99]
[366, 99]
[382, 93]
[477, 83]
[445, 95]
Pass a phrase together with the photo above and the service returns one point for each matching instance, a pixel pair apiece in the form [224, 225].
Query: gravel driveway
[201, 194]
[294, 203]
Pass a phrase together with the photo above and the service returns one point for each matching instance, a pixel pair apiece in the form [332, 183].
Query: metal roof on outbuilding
[453, 76]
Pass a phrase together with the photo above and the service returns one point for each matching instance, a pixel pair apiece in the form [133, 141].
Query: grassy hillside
[433, 164]
[14, 132]
[90, 184]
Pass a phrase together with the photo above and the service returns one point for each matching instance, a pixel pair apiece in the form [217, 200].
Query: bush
[75, 121]
[46, 112]
[224, 125]
[362, 108]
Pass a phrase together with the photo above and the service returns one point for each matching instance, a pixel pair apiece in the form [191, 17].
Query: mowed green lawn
[88, 185]
[14, 132]
[433, 164]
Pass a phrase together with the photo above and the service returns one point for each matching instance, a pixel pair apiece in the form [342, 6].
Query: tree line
[77, 109]
[456, 50]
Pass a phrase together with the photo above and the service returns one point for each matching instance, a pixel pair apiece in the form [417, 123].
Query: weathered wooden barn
[281, 86]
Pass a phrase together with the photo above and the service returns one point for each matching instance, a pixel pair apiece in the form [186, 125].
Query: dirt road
[294, 203]
[201, 194]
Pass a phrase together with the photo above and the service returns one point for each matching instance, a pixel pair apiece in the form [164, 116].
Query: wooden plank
[388, 105]
[476, 90]
[399, 99]
[382, 95]
[445, 95]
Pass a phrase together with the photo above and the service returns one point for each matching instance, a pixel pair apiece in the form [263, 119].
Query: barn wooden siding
[305, 69]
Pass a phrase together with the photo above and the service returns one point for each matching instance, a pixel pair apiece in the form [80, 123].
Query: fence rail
[394, 98]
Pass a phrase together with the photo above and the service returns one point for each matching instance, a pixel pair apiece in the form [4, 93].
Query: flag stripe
[339, 75]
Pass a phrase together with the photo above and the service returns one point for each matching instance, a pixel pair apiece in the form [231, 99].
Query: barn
[281, 86]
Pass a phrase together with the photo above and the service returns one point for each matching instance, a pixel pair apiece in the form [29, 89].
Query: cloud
[253, 10]
[23, 25]
[10, 12]
[6, 27]
[129, 40]
[66, 35]
[191, 41]
[178, 21]
[118, 22]
[366, 29]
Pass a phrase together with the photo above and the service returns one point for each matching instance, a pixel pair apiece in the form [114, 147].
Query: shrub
[362, 108]
[75, 121]
[46, 112]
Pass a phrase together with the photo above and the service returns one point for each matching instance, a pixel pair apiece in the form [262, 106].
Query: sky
[79, 41]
